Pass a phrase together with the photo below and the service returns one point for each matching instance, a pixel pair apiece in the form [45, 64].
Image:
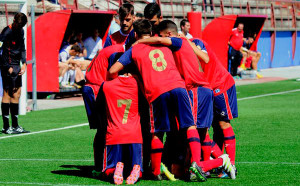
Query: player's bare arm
[156, 40]
[113, 71]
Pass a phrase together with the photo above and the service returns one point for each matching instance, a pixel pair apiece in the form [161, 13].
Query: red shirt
[157, 68]
[216, 74]
[188, 64]
[116, 38]
[96, 72]
[236, 39]
[123, 117]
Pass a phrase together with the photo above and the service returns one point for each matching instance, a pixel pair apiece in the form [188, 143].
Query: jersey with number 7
[157, 68]
[122, 111]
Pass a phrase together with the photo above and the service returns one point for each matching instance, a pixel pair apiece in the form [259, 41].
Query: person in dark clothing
[13, 51]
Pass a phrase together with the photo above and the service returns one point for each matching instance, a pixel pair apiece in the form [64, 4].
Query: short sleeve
[126, 58]
[176, 44]
[63, 56]
[200, 45]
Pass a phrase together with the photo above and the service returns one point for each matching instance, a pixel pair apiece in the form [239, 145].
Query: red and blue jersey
[188, 63]
[157, 68]
[236, 39]
[116, 38]
[96, 72]
[218, 77]
[121, 96]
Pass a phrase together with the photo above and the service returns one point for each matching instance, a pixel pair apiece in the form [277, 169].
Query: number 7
[126, 102]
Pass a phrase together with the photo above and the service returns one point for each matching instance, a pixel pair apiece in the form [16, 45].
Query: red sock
[229, 140]
[211, 164]
[206, 148]
[194, 143]
[109, 172]
[215, 150]
[156, 153]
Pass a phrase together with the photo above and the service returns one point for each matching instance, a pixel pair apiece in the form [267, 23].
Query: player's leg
[89, 102]
[5, 104]
[135, 151]
[183, 112]
[159, 120]
[98, 147]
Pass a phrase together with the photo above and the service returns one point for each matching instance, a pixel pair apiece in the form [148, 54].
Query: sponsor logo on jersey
[222, 113]
[1, 43]
[217, 91]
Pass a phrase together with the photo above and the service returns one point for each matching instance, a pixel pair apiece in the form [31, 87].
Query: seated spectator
[67, 65]
[250, 57]
[185, 28]
[204, 6]
[93, 44]
[50, 5]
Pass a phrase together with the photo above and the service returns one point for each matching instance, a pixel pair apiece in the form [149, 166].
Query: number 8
[160, 58]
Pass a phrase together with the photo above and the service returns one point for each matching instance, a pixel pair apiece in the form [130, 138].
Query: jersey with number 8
[157, 68]
[122, 104]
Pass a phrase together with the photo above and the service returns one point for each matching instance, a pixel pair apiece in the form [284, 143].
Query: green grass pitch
[267, 133]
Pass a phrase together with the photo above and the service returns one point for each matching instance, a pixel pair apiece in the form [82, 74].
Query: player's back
[189, 66]
[96, 72]
[123, 117]
[157, 68]
[216, 74]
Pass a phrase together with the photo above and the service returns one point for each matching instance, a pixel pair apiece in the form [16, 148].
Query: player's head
[139, 16]
[142, 27]
[250, 39]
[126, 13]
[75, 50]
[185, 26]
[153, 14]
[240, 27]
[167, 28]
[95, 32]
[20, 21]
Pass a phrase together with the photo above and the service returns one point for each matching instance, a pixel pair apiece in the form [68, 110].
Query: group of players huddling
[148, 81]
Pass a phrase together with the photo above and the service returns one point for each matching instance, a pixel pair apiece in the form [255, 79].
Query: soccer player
[225, 102]
[126, 13]
[95, 76]
[165, 91]
[123, 136]
[13, 51]
[196, 83]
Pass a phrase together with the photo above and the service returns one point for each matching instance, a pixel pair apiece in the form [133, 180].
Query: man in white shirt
[185, 28]
[93, 44]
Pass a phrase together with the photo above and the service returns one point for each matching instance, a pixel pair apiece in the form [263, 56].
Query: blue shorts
[126, 153]
[89, 99]
[202, 101]
[171, 104]
[225, 105]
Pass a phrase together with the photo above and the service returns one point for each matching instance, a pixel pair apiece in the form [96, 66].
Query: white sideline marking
[43, 131]
[87, 160]
[28, 183]
[271, 94]
[84, 124]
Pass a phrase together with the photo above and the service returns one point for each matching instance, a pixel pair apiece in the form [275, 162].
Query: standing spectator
[13, 51]
[114, 25]
[49, 5]
[204, 6]
[93, 44]
[126, 13]
[235, 43]
[185, 28]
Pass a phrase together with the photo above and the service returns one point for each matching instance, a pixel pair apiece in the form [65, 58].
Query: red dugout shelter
[218, 31]
[50, 30]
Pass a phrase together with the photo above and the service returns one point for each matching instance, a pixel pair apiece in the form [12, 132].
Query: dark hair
[167, 24]
[126, 9]
[182, 22]
[142, 27]
[151, 10]
[139, 15]
[20, 19]
[76, 48]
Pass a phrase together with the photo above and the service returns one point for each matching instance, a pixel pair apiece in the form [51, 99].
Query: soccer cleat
[118, 175]
[96, 173]
[134, 175]
[200, 175]
[223, 175]
[228, 166]
[258, 76]
[10, 131]
[164, 170]
[235, 170]
[243, 66]
[20, 129]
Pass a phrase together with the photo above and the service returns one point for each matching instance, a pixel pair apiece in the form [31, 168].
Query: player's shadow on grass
[78, 170]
